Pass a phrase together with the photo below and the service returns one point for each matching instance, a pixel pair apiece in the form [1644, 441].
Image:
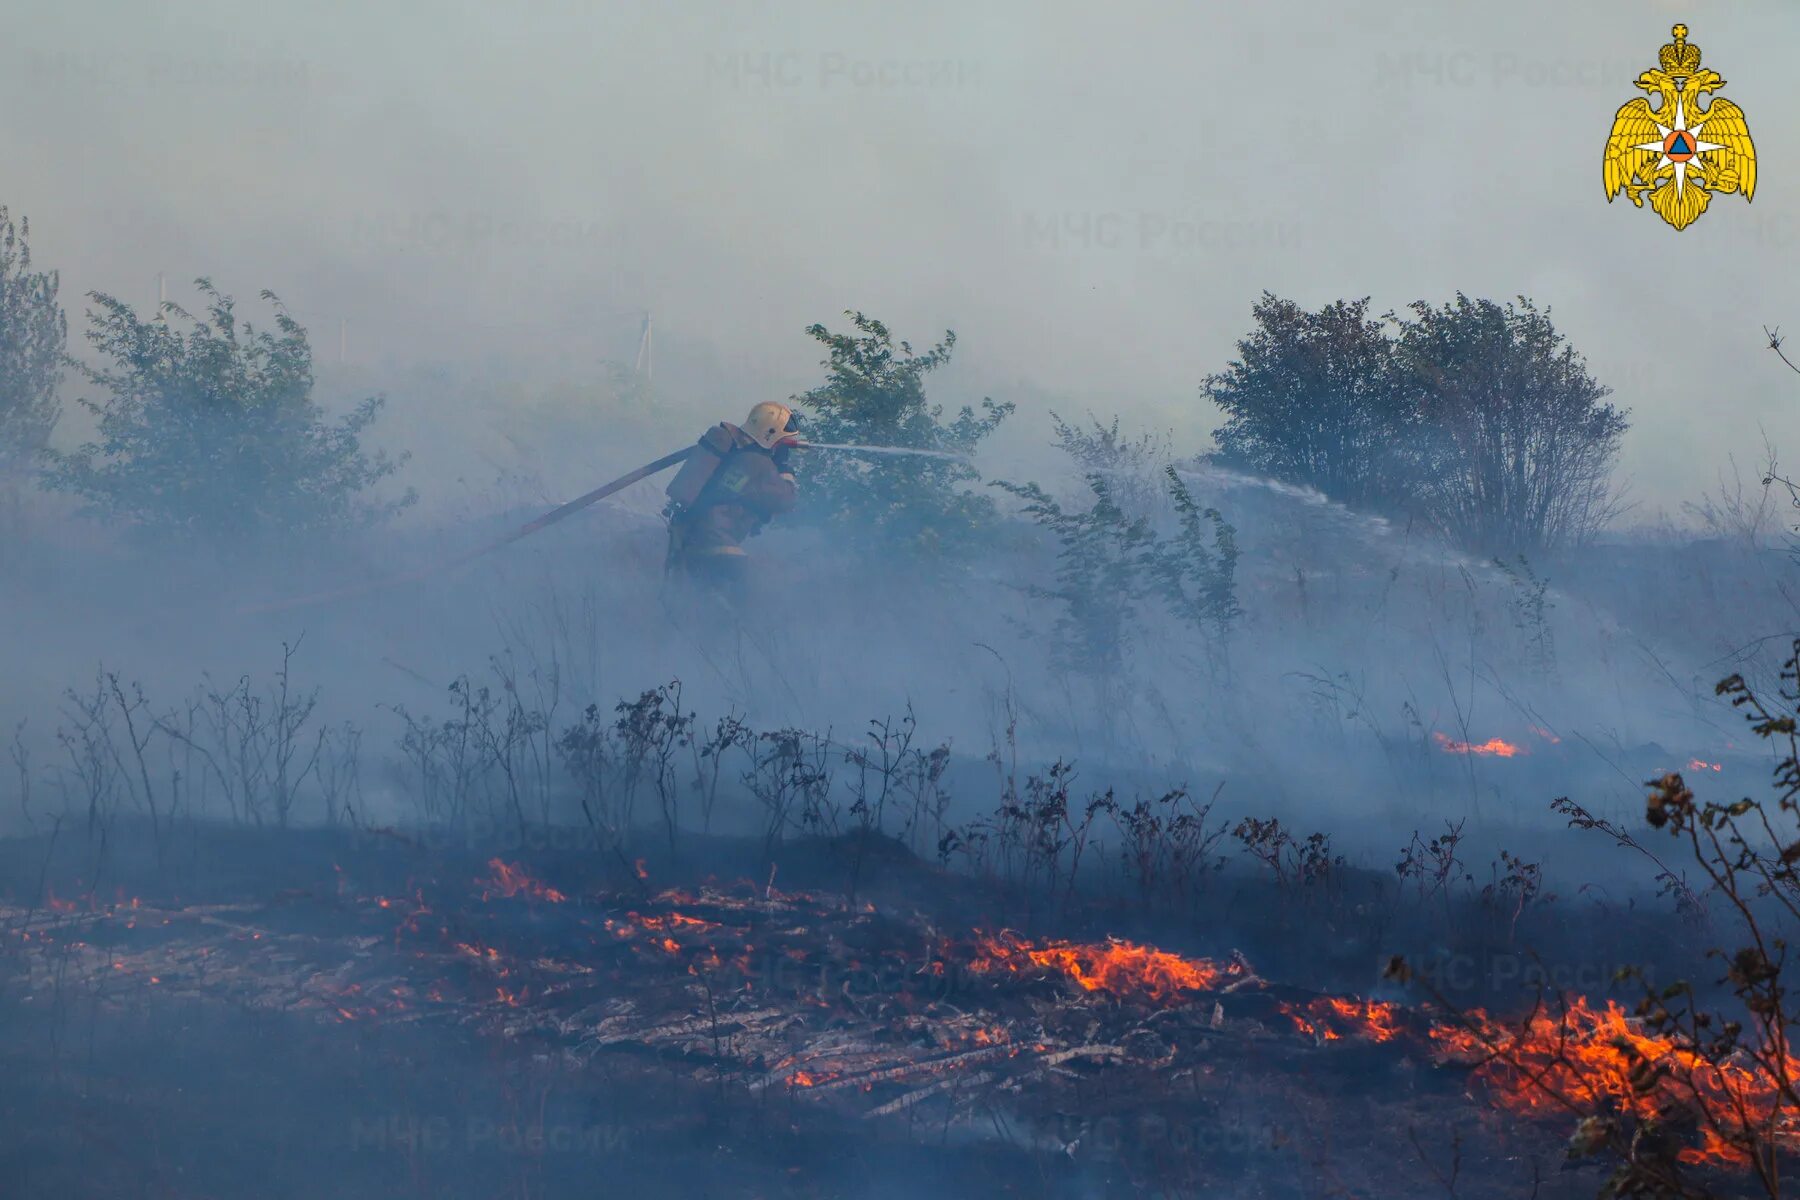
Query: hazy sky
[1092, 195]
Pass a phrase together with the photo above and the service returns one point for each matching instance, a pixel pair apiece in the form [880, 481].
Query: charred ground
[375, 1012]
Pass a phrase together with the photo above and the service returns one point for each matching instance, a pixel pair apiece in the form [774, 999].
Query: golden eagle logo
[1677, 153]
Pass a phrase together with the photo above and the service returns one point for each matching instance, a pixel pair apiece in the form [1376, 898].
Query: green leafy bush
[33, 337]
[874, 395]
[1111, 562]
[209, 432]
[1195, 569]
[1100, 560]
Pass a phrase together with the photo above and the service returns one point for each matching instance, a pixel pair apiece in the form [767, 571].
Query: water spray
[889, 450]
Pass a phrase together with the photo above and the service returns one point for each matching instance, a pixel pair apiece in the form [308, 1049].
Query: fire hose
[548, 519]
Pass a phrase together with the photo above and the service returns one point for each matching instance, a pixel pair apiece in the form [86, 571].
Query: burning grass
[1332, 1018]
[1591, 1058]
[511, 880]
[1119, 968]
[870, 1012]
[1494, 747]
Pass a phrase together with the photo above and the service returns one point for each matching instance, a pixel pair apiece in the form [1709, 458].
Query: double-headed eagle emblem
[1677, 153]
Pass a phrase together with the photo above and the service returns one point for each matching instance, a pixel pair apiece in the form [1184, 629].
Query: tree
[210, 433]
[1477, 418]
[1519, 440]
[1313, 398]
[33, 340]
[874, 395]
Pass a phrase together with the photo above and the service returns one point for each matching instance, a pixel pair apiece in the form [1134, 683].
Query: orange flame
[1695, 764]
[1119, 968]
[509, 880]
[1331, 1018]
[1600, 1057]
[1497, 747]
[661, 927]
[1588, 1058]
[478, 951]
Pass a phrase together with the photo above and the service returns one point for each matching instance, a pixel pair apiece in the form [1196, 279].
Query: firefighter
[735, 482]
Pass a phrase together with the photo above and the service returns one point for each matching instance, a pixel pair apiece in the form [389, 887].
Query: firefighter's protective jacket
[747, 489]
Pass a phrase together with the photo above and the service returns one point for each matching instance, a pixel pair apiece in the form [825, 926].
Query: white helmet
[769, 422]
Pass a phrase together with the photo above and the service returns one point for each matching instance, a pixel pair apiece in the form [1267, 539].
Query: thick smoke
[560, 240]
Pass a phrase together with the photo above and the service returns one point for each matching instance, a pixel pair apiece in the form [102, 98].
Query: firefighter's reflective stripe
[709, 550]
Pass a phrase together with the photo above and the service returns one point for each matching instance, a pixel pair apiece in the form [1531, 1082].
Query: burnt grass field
[490, 942]
[600, 600]
[436, 934]
[201, 1009]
